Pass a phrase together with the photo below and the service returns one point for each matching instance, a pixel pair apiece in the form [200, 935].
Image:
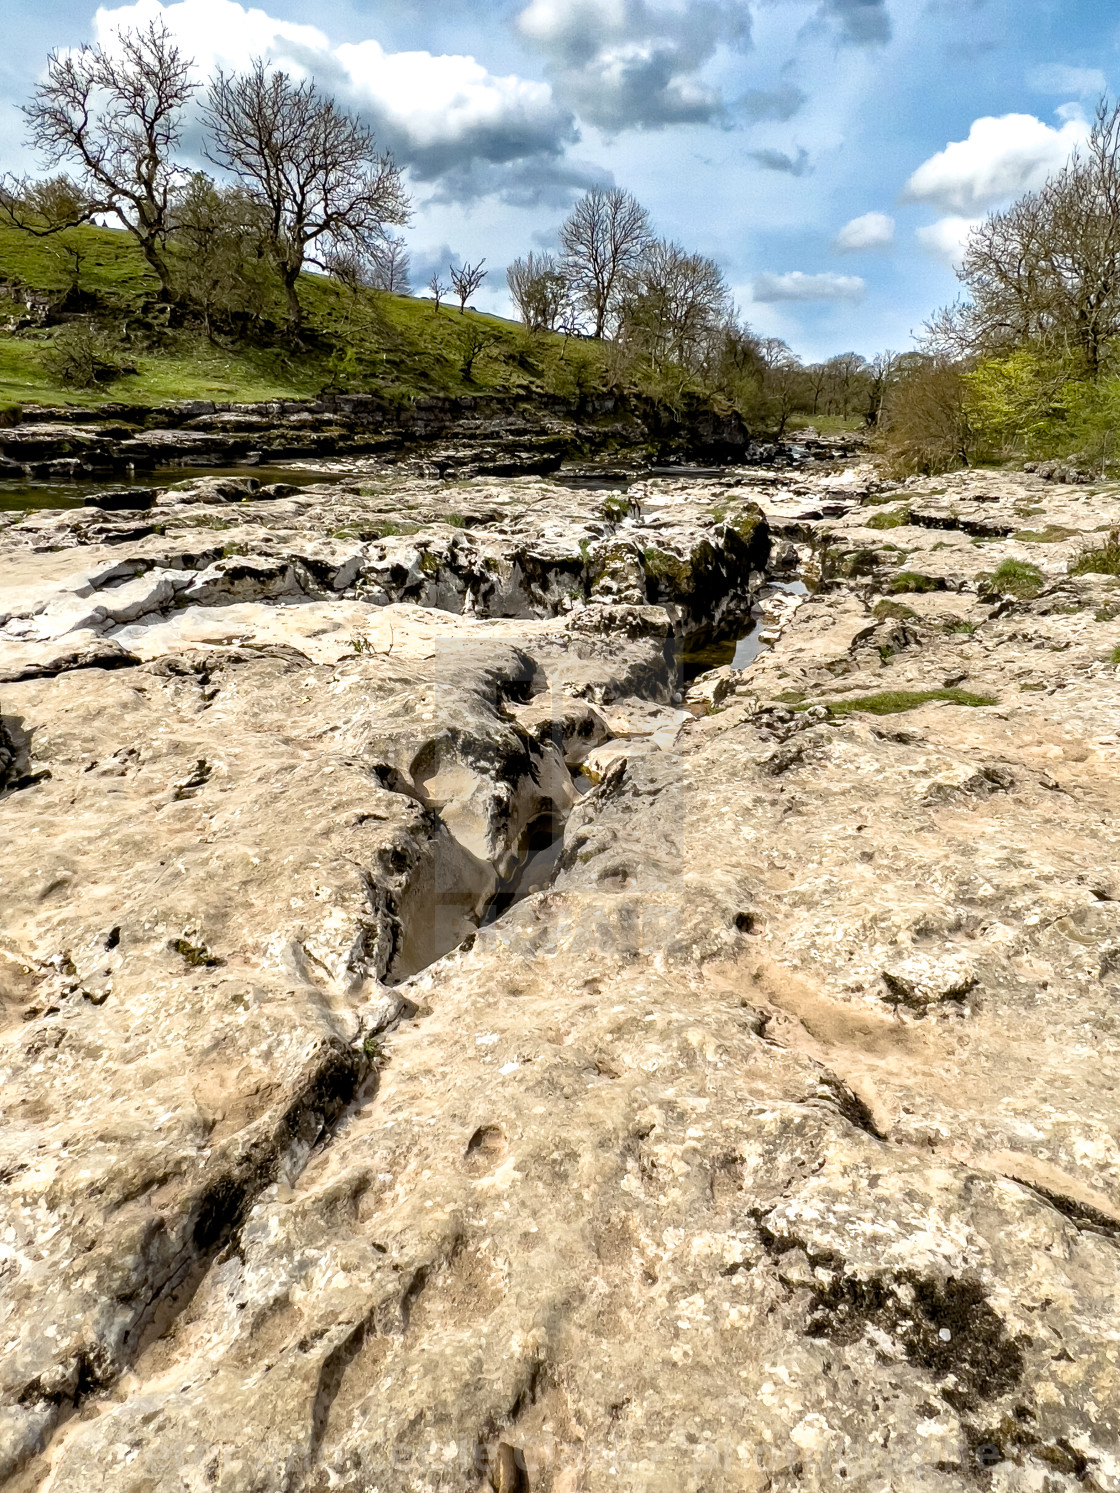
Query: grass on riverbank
[365, 340]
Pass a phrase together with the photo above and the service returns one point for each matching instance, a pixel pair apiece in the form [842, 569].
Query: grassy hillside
[354, 341]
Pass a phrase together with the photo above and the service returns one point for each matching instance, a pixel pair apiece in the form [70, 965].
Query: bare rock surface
[459, 1029]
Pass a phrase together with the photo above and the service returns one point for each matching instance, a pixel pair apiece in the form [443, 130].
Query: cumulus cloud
[635, 64]
[947, 237]
[445, 111]
[219, 32]
[778, 160]
[869, 231]
[797, 286]
[639, 64]
[1057, 77]
[446, 118]
[1001, 158]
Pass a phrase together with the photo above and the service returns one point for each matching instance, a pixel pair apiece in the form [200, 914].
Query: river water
[21, 493]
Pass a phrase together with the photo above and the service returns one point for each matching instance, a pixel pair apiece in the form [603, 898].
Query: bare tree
[847, 376]
[816, 376]
[540, 291]
[312, 164]
[774, 353]
[673, 305]
[391, 263]
[115, 115]
[478, 338]
[785, 390]
[603, 239]
[882, 374]
[438, 289]
[467, 280]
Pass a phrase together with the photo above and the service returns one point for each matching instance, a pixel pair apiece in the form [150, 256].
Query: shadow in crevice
[541, 845]
[16, 770]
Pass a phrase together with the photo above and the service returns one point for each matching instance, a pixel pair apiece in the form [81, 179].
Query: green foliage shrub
[1015, 402]
[1036, 403]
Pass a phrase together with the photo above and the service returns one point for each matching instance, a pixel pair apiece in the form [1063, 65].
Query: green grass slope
[354, 341]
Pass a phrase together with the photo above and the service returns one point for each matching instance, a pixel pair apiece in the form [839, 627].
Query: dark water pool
[735, 641]
[21, 493]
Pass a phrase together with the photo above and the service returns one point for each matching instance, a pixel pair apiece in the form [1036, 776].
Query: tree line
[1026, 362]
[670, 323]
[301, 184]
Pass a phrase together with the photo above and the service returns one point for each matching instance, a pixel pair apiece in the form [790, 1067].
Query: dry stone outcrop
[461, 1029]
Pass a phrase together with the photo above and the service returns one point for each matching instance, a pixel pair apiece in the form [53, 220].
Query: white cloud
[1000, 159]
[437, 101]
[441, 115]
[947, 237]
[870, 231]
[218, 33]
[797, 286]
[1057, 77]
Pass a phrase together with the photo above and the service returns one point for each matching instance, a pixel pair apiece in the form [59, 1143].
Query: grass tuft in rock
[1114, 657]
[1018, 578]
[958, 624]
[1101, 559]
[897, 518]
[895, 701]
[893, 611]
[914, 581]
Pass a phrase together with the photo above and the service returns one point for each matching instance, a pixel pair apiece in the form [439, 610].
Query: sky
[830, 155]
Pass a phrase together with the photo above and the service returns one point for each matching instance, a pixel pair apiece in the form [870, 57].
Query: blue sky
[828, 153]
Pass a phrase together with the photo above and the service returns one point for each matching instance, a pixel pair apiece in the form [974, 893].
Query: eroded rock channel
[455, 1036]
